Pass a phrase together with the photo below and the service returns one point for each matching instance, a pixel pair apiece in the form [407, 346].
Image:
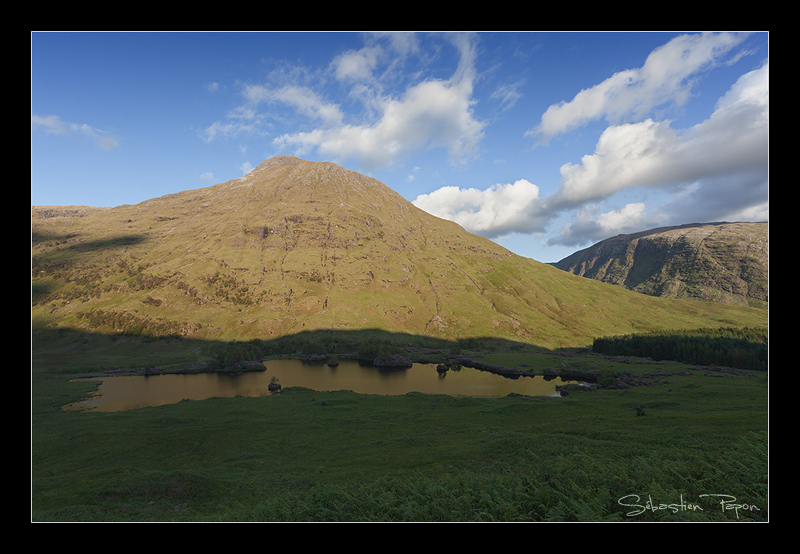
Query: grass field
[684, 444]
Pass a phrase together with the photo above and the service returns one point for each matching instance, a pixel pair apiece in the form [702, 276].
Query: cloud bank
[715, 170]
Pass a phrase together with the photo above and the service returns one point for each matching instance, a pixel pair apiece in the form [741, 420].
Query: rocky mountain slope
[297, 245]
[719, 262]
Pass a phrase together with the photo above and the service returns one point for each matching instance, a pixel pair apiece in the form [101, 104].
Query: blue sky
[544, 142]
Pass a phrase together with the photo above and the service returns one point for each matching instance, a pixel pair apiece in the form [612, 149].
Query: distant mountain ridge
[300, 246]
[718, 262]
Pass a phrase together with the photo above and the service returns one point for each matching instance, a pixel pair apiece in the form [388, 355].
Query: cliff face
[718, 262]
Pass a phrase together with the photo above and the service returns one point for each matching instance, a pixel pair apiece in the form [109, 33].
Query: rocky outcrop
[717, 262]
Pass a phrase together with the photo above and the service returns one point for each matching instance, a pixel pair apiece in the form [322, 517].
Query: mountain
[719, 262]
[296, 246]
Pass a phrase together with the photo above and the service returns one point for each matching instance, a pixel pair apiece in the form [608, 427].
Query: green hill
[718, 262]
[301, 246]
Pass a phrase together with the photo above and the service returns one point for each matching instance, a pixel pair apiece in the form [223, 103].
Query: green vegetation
[310, 260]
[732, 347]
[677, 433]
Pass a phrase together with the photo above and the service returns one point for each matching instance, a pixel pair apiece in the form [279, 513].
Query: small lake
[131, 392]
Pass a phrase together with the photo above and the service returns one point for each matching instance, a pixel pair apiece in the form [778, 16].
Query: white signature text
[724, 502]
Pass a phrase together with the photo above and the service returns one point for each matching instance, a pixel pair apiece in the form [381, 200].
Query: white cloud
[589, 226]
[508, 95]
[387, 127]
[733, 140]
[356, 64]
[496, 211]
[625, 156]
[714, 171]
[247, 119]
[666, 76]
[222, 130]
[430, 114]
[629, 217]
[303, 100]
[54, 125]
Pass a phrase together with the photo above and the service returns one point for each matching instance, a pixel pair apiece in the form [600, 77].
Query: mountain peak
[295, 185]
[298, 167]
[278, 161]
[296, 245]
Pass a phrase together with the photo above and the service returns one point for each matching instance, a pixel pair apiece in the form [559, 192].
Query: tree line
[741, 348]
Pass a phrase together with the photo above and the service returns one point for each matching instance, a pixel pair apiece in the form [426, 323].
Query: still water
[130, 392]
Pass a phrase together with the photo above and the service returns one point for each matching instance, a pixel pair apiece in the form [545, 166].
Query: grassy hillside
[299, 246]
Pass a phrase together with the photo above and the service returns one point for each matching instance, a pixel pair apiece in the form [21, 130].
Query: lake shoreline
[446, 362]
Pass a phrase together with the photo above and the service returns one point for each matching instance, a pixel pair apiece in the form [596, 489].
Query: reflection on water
[126, 393]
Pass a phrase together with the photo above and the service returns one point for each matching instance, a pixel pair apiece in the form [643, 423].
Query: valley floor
[684, 443]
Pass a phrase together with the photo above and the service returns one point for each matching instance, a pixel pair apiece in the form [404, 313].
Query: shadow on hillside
[69, 351]
[39, 237]
[46, 262]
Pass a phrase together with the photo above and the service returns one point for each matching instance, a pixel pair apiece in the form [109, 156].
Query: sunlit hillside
[297, 245]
